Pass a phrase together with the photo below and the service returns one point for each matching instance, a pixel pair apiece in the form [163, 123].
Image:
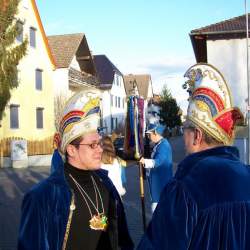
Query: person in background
[77, 206]
[207, 204]
[159, 168]
[112, 164]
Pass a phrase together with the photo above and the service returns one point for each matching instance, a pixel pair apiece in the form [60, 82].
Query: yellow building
[30, 111]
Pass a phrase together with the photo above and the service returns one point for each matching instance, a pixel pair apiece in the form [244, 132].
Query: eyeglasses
[92, 145]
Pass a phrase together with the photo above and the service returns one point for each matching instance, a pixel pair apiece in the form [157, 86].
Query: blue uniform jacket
[162, 171]
[45, 212]
[205, 206]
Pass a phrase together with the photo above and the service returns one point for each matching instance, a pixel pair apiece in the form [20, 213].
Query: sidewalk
[13, 184]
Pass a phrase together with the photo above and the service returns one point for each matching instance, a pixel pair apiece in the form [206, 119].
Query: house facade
[30, 111]
[113, 92]
[224, 45]
[75, 69]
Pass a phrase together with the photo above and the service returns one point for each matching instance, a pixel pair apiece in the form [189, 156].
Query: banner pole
[137, 157]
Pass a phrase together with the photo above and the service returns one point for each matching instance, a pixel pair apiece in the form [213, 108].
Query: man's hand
[142, 161]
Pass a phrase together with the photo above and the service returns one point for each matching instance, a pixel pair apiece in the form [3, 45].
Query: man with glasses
[77, 207]
[207, 204]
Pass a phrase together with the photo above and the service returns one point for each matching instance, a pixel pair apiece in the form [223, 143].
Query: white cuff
[149, 163]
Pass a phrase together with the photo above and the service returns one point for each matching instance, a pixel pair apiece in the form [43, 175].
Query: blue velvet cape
[45, 212]
[162, 171]
[205, 206]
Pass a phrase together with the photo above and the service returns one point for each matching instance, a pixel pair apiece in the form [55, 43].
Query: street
[15, 182]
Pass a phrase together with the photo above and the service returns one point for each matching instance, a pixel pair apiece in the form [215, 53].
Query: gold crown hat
[81, 115]
[210, 104]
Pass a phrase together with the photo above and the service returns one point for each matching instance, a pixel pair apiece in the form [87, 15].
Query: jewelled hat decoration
[210, 105]
[81, 115]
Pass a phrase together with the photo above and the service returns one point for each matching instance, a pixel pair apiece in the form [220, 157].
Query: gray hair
[209, 139]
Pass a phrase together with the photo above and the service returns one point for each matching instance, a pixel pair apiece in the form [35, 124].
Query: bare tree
[59, 104]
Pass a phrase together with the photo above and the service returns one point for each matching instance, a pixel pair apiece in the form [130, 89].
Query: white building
[224, 46]
[75, 69]
[113, 94]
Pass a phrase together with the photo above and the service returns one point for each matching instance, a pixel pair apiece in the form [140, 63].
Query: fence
[43, 147]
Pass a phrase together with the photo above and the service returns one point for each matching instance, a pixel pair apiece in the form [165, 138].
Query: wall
[106, 110]
[26, 94]
[119, 91]
[61, 82]
[242, 145]
[229, 56]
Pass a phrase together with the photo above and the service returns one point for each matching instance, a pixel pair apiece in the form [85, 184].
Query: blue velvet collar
[191, 160]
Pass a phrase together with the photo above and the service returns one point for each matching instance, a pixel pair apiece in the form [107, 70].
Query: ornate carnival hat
[81, 115]
[210, 105]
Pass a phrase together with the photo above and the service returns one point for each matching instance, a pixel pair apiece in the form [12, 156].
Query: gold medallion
[98, 222]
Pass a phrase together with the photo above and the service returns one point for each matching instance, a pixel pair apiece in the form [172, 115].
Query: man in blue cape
[207, 204]
[159, 168]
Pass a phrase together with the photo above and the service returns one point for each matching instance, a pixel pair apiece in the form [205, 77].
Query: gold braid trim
[71, 210]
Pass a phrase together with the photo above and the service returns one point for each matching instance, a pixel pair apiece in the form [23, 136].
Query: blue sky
[140, 36]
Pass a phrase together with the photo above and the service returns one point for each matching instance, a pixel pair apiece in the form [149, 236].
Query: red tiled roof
[64, 48]
[236, 24]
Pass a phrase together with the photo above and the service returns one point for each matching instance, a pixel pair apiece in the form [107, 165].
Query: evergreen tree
[170, 111]
[10, 52]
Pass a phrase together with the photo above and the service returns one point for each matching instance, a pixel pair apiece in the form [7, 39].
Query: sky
[141, 36]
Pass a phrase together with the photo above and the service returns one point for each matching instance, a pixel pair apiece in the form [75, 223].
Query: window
[32, 37]
[114, 123]
[19, 38]
[119, 102]
[39, 79]
[116, 101]
[111, 100]
[117, 80]
[14, 119]
[39, 117]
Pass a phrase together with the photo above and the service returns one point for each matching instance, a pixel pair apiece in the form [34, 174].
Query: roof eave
[217, 32]
[34, 6]
[199, 47]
